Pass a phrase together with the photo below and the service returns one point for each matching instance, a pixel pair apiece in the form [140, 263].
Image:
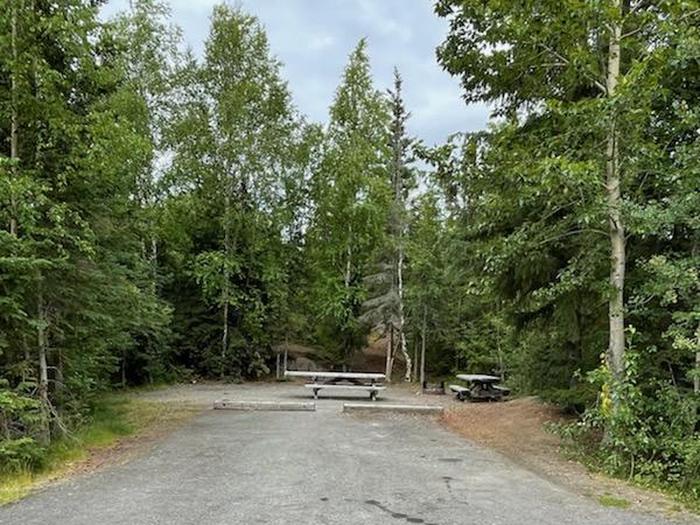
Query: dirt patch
[517, 430]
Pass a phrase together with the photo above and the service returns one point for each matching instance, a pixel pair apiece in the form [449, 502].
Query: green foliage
[79, 291]
[351, 193]
[528, 202]
[232, 229]
[162, 214]
[20, 422]
[646, 438]
[21, 453]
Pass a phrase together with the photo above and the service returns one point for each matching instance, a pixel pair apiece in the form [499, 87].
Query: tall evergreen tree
[385, 307]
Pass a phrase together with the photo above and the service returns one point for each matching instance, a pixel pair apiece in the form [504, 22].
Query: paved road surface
[310, 468]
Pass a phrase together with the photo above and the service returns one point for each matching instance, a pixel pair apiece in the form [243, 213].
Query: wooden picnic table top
[478, 378]
[336, 375]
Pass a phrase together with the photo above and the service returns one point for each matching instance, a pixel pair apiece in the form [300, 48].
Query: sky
[313, 38]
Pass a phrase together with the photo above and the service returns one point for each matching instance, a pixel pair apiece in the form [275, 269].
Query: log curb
[288, 406]
[403, 409]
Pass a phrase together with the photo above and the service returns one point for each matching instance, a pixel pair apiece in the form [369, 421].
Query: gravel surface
[323, 467]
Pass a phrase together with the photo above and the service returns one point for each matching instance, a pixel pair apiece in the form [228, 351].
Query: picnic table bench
[480, 387]
[368, 382]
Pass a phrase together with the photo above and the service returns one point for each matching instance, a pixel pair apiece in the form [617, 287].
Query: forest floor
[518, 430]
[327, 467]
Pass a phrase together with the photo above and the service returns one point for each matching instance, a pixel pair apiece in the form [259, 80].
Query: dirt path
[516, 429]
[318, 467]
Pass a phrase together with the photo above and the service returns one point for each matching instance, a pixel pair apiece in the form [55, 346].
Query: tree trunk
[13, 121]
[154, 262]
[59, 381]
[696, 380]
[389, 356]
[398, 144]
[226, 291]
[616, 347]
[424, 332]
[224, 337]
[27, 357]
[499, 352]
[347, 276]
[43, 387]
[402, 335]
[415, 360]
[123, 369]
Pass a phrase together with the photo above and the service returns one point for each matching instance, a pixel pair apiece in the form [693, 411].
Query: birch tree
[572, 65]
[351, 193]
[241, 128]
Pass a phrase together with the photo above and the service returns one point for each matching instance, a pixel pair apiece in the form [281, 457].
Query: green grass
[113, 417]
[607, 500]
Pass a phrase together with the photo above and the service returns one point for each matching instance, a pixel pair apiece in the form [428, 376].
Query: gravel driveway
[318, 467]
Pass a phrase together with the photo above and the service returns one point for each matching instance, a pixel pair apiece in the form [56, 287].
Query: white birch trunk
[226, 291]
[616, 347]
[43, 387]
[422, 345]
[348, 265]
[346, 280]
[415, 360]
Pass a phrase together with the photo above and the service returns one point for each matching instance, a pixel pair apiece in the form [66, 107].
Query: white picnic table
[369, 382]
[478, 378]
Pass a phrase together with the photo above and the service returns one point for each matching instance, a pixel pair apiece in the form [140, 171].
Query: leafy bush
[572, 400]
[641, 429]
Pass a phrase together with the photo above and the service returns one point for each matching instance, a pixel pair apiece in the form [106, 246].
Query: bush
[572, 400]
[21, 420]
[650, 436]
[20, 454]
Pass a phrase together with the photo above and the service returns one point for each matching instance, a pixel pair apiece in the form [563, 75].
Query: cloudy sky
[313, 38]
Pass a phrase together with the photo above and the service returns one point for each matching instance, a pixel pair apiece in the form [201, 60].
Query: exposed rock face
[303, 363]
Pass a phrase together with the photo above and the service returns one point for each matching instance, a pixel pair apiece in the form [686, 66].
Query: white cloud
[320, 42]
[313, 38]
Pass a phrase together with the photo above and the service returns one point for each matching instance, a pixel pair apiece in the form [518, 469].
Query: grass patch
[113, 417]
[607, 500]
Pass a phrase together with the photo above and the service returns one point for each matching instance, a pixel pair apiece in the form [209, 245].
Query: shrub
[20, 454]
[650, 435]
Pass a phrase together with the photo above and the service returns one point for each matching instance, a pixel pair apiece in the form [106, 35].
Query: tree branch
[566, 61]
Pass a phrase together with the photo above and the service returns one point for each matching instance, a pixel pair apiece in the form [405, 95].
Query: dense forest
[167, 216]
